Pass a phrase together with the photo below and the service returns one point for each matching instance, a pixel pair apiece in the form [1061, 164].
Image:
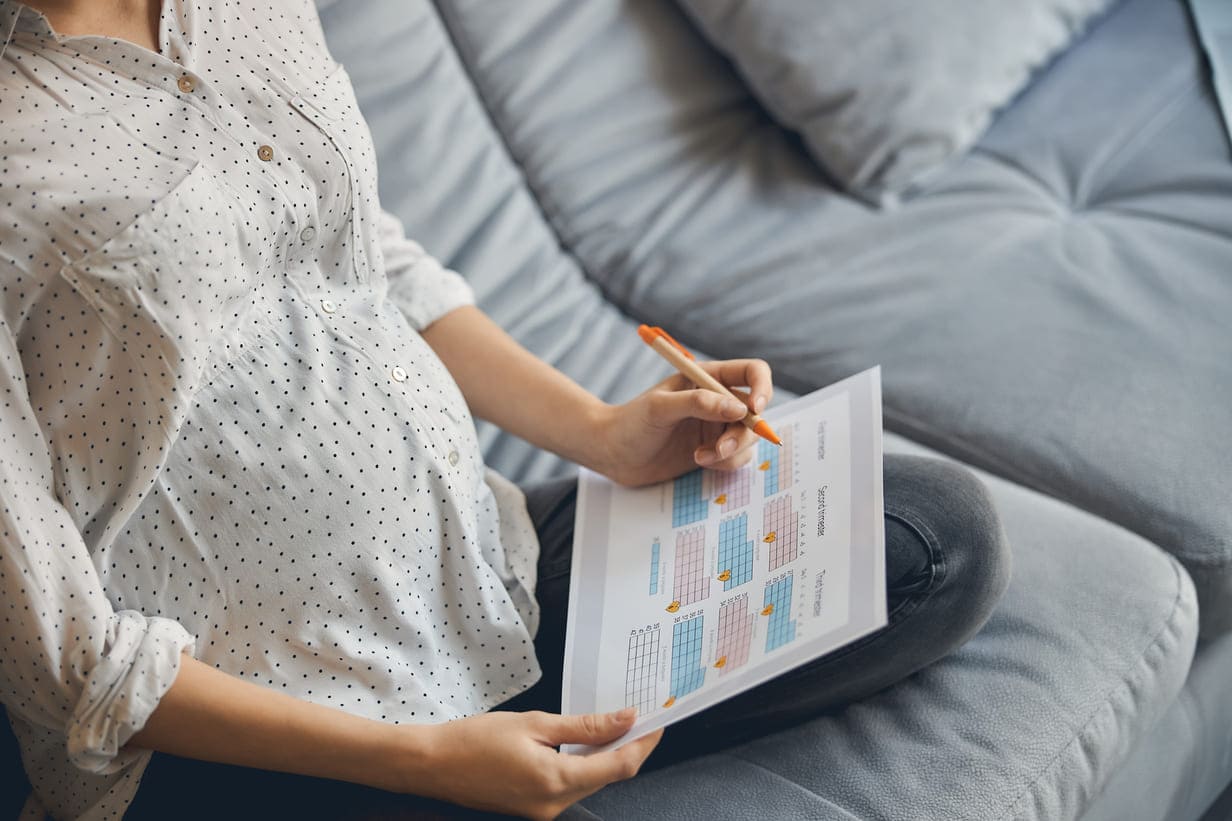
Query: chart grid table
[776, 462]
[730, 488]
[654, 568]
[690, 582]
[782, 531]
[688, 674]
[688, 504]
[642, 671]
[735, 634]
[735, 551]
[782, 628]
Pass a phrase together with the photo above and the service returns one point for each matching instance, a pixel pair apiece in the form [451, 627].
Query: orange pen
[683, 361]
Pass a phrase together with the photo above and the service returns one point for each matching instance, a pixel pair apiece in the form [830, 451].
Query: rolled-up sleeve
[422, 288]
[68, 661]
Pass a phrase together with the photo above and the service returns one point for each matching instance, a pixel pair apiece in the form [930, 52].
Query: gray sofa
[1053, 310]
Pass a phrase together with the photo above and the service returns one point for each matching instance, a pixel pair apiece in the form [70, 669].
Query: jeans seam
[937, 566]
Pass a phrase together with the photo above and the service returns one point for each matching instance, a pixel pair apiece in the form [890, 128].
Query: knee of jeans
[954, 513]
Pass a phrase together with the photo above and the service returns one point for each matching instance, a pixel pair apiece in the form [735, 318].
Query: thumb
[676, 406]
[593, 728]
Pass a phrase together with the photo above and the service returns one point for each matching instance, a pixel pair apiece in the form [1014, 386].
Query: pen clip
[649, 334]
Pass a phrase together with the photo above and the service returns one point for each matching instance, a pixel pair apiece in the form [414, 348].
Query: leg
[947, 564]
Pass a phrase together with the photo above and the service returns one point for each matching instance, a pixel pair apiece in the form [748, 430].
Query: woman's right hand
[507, 762]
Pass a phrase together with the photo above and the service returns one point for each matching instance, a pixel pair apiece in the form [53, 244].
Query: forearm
[512, 388]
[212, 716]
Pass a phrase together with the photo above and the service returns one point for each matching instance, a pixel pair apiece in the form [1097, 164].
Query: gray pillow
[885, 92]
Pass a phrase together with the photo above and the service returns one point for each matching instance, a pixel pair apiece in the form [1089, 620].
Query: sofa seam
[821, 798]
[1156, 117]
[1169, 625]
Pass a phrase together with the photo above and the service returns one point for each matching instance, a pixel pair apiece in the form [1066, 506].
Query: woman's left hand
[676, 426]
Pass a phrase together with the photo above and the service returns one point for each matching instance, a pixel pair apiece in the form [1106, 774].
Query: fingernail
[760, 403]
[725, 447]
[731, 406]
[703, 457]
[626, 714]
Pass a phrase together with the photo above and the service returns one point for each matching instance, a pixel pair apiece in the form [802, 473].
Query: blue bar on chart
[775, 462]
[688, 674]
[735, 551]
[777, 605]
[688, 506]
[654, 568]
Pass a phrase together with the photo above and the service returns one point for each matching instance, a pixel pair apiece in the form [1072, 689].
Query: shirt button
[453, 457]
[308, 234]
[186, 84]
[328, 306]
[398, 373]
[265, 153]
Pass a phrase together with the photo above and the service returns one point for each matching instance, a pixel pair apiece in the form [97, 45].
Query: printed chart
[730, 488]
[781, 628]
[642, 672]
[735, 634]
[687, 671]
[688, 504]
[782, 532]
[689, 581]
[758, 569]
[735, 552]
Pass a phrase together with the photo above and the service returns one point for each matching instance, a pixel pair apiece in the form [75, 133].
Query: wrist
[399, 759]
[596, 447]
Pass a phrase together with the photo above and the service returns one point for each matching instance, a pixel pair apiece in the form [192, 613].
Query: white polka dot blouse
[222, 432]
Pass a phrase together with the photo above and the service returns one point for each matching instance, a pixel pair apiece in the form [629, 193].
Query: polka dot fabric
[222, 432]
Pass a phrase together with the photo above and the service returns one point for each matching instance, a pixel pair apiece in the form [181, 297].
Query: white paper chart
[688, 592]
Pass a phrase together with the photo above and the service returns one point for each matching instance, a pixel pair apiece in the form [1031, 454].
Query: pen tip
[763, 429]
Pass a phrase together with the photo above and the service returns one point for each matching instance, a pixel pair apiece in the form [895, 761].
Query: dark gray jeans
[947, 564]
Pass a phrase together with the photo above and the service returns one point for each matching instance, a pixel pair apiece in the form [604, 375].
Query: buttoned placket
[319, 120]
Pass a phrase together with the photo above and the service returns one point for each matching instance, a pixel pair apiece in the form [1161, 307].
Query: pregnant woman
[251, 561]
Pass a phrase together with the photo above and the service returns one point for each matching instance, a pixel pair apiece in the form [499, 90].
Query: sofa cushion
[886, 92]
[1053, 308]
